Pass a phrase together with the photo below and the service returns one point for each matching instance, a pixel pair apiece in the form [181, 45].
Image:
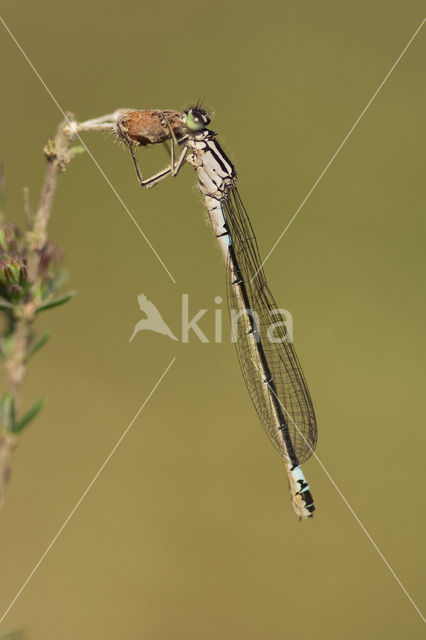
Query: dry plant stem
[15, 364]
[107, 122]
[57, 152]
[58, 155]
[46, 201]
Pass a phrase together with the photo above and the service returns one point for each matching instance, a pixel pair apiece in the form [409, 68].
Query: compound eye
[196, 119]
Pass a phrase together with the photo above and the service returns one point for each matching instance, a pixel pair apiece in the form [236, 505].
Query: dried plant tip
[13, 278]
[11, 237]
[70, 128]
[49, 150]
[23, 274]
[8, 277]
[50, 260]
[10, 269]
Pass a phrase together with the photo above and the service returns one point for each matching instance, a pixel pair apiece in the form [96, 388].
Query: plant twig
[57, 152]
[28, 280]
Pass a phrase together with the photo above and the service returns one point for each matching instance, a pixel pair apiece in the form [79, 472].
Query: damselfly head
[196, 119]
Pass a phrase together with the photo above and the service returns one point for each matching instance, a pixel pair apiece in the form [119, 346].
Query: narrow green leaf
[56, 303]
[59, 280]
[39, 344]
[29, 416]
[7, 412]
[5, 305]
[77, 149]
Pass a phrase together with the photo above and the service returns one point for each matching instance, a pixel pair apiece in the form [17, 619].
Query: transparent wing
[290, 386]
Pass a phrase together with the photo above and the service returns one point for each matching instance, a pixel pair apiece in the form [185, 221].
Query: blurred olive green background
[189, 533]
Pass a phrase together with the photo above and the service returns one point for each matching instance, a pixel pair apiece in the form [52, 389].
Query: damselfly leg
[164, 173]
[175, 166]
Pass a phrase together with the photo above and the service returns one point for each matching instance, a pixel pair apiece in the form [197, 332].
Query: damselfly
[268, 360]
